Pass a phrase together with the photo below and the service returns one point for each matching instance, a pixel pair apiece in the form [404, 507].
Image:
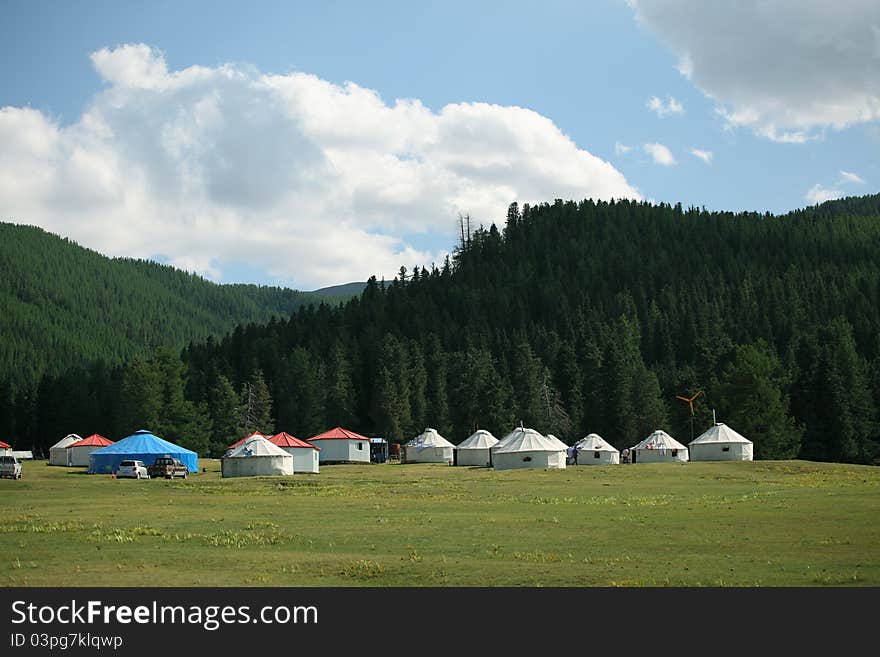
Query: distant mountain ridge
[63, 305]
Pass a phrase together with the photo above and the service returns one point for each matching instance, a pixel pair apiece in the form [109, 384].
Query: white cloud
[818, 194]
[660, 154]
[313, 182]
[786, 69]
[621, 149]
[706, 156]
[662, 109]
[849, 177]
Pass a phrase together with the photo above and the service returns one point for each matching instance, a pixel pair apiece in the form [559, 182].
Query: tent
[659, 447]
[593, 449]
[58, 452]
[343, 446]
[245, 439]
[720, 443]
[5, 449]
[476, 449]
[305, 455]
[78, 453]
[141, 446]
[428, 447]
[256, 457]
[526, 448]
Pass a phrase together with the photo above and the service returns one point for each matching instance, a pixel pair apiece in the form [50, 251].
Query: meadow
[762, 523]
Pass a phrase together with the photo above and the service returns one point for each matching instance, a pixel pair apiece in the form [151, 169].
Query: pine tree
[752, 401]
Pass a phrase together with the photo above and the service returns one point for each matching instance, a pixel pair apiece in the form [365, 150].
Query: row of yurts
[103, 456]
[283, 454]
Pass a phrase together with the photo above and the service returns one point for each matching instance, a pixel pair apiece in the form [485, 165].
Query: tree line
[575, 317]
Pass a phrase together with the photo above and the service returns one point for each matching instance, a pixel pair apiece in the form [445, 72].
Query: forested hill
[574, 317]
[62, 305]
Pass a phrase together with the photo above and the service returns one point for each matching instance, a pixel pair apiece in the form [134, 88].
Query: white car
[10, 467]
[132, 469]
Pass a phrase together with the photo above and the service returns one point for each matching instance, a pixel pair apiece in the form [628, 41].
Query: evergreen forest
[571, 317]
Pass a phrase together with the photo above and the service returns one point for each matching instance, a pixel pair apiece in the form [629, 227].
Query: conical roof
[660, 440]
[284, 439]
[594, 443]
[338, 433]
[720, 433]
[95, 440]
[245, 439]
[527, 440]
[143, 442]
[256, 446]
[429, 438]
[561, 444]
[480, 439]
[67, 441]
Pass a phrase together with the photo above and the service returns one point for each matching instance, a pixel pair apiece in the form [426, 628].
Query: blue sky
[310, 144]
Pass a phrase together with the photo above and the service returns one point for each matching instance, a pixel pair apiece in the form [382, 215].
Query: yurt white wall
[721, 452]
[305, 459]
[479, 456]
[257, 466]
[597, 457]
[662, 455]
[413, 454]
[339, 450]
[511, 460]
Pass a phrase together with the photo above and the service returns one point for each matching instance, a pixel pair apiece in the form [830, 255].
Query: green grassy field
[789, 523]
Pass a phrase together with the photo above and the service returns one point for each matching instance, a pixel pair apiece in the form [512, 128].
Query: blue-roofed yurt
[141, 446]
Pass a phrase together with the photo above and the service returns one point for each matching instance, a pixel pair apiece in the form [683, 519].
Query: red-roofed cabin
[305, 455]
[78, 452]
[342, 446]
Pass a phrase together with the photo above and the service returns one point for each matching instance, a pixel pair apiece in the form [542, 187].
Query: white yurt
[428, 447]
[476, 449]
[58, 454]
[593, 449]
[720, 443]
[659, 447]
[79, 453]
[305, 455]
[256, 457]
[526, 448]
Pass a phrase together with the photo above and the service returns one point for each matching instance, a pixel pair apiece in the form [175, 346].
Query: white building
[593, 449]
[305, 455]
[659, 447]
[342, 446]
[428, 447]
[79, 451]
[476, 449]
[256, 457]
[526, 448]
[721, 443]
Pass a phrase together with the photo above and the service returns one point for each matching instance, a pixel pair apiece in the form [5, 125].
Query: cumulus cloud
[786, 69]
[849, 177]
[660, 154]
[621, 149]
[818, 194]
[314, 183]
[706, 156]
[661, 109]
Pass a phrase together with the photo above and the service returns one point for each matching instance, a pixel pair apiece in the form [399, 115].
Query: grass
[782, 523]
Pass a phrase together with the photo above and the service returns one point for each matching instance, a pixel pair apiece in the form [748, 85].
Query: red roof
[250, 435]
[95, 440]
[4, 445]
[339, 434]
[286, 440]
